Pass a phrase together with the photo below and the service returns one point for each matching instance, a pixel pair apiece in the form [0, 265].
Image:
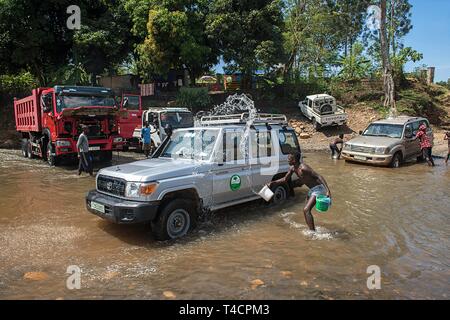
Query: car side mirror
[168, 130]
[125, 103]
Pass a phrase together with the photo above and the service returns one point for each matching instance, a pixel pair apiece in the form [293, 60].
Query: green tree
[175, 37]
[34, 37]
[354, 65]
[248, 33]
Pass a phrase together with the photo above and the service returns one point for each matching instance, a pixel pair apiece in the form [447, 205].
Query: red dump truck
[50, 122]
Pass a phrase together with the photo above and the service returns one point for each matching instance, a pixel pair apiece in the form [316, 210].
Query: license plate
[97, 207]
[95, 148]
[360, 158]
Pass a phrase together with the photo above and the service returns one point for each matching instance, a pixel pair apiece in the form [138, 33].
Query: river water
[397, 220]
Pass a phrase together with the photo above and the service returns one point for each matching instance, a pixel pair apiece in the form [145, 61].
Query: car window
[288, 141]
[234, 147]
[417, 124]
[261, 144]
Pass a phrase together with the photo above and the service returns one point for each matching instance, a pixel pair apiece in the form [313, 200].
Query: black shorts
[427, 153]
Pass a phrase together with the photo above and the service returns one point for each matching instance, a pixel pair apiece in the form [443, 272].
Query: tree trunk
[388, 79]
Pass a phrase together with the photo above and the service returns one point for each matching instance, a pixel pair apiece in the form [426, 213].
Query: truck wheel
[51, 159]
[25, 148]
[281, 193]
[29, 150]
[175, 220]
[396, 160]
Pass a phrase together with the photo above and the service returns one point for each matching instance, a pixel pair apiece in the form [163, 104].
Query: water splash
[321, 233]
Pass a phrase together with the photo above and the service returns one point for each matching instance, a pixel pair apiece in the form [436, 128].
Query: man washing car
[315, 182]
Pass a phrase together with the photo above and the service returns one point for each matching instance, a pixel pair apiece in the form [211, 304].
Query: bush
[11, 85]
[195, 99]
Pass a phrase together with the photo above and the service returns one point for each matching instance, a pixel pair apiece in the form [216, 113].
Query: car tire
[396, 160]
[281, 193]
[176, 218]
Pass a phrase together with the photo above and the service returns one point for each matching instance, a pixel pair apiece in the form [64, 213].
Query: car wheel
[396, 160]
[175, 220]
[280, 194]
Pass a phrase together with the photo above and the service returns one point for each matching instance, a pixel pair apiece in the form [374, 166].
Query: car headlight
[118, 139]
[138, 190]
[63, 143]
[380, 150]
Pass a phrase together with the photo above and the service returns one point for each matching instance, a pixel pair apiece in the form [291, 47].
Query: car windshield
[384, 130]
[177, 119]
[195, 144]
[75, 101]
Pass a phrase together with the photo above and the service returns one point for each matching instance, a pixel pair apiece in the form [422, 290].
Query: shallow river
[398, 220]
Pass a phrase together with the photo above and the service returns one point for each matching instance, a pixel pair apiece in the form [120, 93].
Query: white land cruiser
[323, 111]
[203, 168]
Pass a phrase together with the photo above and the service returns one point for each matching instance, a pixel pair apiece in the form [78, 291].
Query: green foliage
[355, 65]
[175, 38]
[404, 56]
[248, 33]
[195, 99]
[17, 84]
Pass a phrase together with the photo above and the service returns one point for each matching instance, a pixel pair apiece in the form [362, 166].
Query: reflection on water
[396, 219]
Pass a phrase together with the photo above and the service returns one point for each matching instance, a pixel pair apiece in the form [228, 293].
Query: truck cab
[159, 118]
[323, 111]
[221, 163]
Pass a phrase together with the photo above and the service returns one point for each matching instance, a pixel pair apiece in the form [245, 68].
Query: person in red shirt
[425, 144]
[447, 137]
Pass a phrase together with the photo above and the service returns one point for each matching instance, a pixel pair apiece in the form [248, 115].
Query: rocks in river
[35, 276]
[256, 283]
[286, 274]
[169, 295]
[305, 135]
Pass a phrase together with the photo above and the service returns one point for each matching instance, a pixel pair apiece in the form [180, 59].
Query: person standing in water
[447, 137]
[85, 163]
[334, 146]
[314, 181]
[425, 144]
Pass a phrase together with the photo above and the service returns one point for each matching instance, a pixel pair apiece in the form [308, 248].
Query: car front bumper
[374, 159]
[121, 211]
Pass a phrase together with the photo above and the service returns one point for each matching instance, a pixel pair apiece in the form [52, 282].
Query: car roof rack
[243, 118]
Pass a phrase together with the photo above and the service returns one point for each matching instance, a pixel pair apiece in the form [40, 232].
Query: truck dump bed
[28, 113]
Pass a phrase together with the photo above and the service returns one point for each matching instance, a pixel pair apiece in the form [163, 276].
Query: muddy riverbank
[395, 219]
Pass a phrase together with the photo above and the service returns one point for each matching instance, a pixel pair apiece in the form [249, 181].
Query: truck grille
[111, 185]
[362, 149]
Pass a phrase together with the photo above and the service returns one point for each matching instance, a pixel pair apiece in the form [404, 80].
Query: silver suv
[203, 168]
[387, 142]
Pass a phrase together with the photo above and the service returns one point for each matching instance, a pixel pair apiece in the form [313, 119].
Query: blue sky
[431, 35]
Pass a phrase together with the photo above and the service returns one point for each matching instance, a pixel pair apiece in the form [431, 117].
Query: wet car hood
[369, 141]
[152, 169]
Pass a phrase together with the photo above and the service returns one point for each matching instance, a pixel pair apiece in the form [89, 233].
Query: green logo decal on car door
[235, 182]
